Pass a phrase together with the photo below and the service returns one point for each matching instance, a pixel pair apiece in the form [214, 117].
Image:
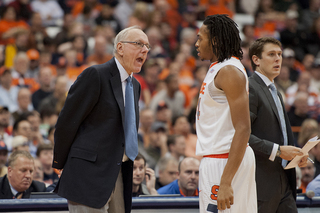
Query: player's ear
[214, 41]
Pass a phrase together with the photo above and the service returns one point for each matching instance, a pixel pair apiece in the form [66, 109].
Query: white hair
[122, 35]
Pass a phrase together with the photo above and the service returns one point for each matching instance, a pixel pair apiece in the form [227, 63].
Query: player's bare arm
[233, 82]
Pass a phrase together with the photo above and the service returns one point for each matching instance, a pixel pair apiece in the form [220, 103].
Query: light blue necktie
[130, 130]
[281, 116]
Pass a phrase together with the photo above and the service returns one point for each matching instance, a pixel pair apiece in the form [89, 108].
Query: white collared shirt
[14, 192]
[123, 76]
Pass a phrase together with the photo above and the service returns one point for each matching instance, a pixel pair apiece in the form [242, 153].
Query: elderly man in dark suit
[19, 183]
[271, 136]
[96, 132]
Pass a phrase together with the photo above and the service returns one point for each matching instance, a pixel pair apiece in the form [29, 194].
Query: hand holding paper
[305, 149]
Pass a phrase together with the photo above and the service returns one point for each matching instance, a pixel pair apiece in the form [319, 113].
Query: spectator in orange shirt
[307, 175]
[220, 7]
[20, 68]
[9, 25]
[211, 7]
[263, 27]
[72, 69]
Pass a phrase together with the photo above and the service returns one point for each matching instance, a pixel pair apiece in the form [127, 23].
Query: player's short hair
[257, 46]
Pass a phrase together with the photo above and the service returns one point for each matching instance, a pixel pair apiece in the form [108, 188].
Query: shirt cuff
[274, 152]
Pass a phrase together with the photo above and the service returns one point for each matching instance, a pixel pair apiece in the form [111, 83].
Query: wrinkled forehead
[137, 35]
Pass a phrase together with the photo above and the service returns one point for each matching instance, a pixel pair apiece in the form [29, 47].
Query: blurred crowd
[46, 44]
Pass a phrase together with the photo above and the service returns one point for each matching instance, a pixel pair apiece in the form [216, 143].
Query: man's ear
[256, 60]
[9, 171]
[120, 48]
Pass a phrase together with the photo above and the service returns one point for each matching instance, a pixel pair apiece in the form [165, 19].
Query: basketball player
[227, 170]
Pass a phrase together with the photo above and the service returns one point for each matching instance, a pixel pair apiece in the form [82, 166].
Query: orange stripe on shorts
[225, 155]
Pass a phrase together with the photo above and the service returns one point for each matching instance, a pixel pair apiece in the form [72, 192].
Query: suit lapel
[117, 91]
[6, 190]
[268, 95]
[115, 82]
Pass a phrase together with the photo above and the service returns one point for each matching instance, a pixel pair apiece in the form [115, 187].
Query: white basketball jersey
[214, 126]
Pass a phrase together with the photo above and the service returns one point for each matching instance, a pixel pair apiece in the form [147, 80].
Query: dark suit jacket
[265, 131]
[5, 190]
[89, 138]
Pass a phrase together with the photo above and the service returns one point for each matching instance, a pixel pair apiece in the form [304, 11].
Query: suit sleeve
[260, 146]
[82, 97]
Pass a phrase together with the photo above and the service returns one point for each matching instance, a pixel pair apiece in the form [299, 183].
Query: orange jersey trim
[225, 155]
[214, 63]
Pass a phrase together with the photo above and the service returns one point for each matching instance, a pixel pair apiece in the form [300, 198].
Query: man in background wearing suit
[19, 183]
[271, 136]
[94, 144]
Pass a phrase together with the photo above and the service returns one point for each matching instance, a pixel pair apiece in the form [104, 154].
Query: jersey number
[203, 87]
[214, 191]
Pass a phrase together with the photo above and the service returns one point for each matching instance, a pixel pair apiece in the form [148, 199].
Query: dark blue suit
[89, 138]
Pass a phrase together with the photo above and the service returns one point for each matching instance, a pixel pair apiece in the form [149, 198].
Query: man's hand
[151, 181]
[304, 161]
[225, 197]
[289, 152]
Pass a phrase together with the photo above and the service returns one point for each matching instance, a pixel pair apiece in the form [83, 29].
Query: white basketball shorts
[243, 184]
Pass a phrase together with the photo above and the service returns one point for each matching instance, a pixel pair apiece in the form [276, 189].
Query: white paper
[305, 149]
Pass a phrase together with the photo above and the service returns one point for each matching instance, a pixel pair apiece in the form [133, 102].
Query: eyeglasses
[138, 43]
